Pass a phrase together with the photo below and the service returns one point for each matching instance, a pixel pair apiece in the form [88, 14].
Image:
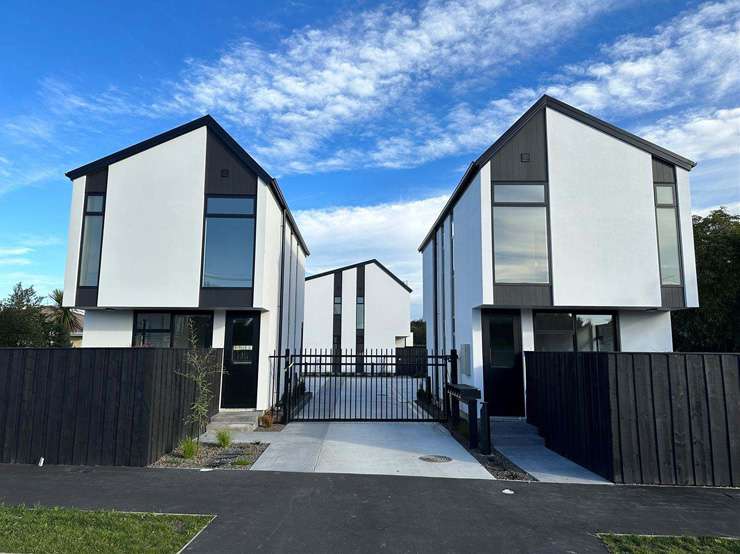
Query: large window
[92, 240]
[228, 257]
[173, 329]
[520, 248]
[668, 242]
[569, 332]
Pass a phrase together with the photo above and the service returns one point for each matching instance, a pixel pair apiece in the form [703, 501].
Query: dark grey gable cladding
[358, 264]
[218, 131]
[581, 116]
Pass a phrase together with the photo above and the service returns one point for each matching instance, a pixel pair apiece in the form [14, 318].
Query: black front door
[503, 380]
[241, 360]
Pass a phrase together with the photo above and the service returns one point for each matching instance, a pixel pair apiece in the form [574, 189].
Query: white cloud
[15, 261]
[14, 251]
[390, 232]
[702, 135]
[369, 65]
[730, 207]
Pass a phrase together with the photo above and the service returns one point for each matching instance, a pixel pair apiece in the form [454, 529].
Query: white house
[182, 228]
[566, 234]
[357, 307]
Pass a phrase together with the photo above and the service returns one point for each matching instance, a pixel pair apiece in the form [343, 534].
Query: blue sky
[367, 113]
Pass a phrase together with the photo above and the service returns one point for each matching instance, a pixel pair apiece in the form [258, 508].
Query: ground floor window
[575, 332]
[172, 329]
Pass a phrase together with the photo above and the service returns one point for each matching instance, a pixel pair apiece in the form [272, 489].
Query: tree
[419, 330]
[715, 326]
[62, 316]
[26, 322]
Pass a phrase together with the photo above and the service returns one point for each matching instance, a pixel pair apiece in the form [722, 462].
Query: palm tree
[66, 318]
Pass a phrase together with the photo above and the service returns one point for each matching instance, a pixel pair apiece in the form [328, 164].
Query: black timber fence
[95, 406]
[652, 418]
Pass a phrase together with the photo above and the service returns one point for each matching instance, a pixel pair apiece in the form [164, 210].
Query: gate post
[287, 392]
[453, 366]
[485, 429]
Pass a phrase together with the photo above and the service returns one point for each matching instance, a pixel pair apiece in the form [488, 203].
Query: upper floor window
[668, 241]
[92, 240]
[337, 305]
[228, 246]
[360, 323]
[520, 238]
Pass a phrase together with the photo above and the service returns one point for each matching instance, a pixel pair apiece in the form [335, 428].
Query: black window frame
[218, 215]
[572, 332]
[85, 214]
[544, 204]
[679, 246]
[171, 330]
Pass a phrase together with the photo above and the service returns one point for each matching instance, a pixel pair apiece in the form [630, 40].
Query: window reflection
[670, 270]
[520, 244]
[229, 252]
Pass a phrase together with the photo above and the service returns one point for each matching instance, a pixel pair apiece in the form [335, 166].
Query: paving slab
[369, 448]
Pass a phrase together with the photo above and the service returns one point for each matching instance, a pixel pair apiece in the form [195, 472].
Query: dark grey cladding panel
[672, 297]
[97, 182]
[361, 280]
[226, 298]
[663, 172]
[523, 157]
[225, 173]
[337, 283]
[87, 297]
[522, 295]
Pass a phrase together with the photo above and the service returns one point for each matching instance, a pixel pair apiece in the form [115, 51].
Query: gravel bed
[236, 456]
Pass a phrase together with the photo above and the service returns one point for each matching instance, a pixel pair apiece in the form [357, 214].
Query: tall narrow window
[520, 233]
[228, 255]
[668, 242]
[360, 323]
[337, 305]
[92, 240]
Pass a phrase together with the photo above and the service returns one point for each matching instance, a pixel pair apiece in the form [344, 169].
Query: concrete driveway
[376, 448]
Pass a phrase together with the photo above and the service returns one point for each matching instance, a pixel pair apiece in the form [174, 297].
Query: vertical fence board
[717, 422]
[731, 379]
[645, 419]
[38, 405]
[682, 443]
[663, 418]
[699, 414]
[6, 360]
[59, 361]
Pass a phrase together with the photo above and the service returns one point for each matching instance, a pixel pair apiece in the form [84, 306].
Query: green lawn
[640, 544]
[63, 530]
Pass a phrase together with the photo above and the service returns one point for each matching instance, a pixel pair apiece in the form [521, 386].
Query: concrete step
[242, 421]
[515, 432]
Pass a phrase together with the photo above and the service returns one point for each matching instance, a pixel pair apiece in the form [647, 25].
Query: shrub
[223, 437]
[242, 462]
[189, 448]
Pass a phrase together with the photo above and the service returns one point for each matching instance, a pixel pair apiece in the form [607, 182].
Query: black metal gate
[403, 384]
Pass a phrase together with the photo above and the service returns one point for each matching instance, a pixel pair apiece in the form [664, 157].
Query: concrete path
[261, 511]
[521, 443]
[377, 448]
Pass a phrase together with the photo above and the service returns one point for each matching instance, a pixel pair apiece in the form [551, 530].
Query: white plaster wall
[387, 309]
[74, 232]
[349, 308]
[108, 328]
[427, 258]
[602, 215]
[299, 299]
[153, 226]
[486, 230]
[645, 331]
[219, 328]
[318, 312]
[442, 294]
[447, 269]
[687, 238]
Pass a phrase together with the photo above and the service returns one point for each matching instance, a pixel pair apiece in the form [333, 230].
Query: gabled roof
[549, 102]
[220, 132]
[358, 264]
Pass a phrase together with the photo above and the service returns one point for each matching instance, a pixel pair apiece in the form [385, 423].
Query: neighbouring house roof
[549, 102]
[220, 132]
[358, 264]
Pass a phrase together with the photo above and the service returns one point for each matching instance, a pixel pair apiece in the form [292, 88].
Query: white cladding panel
[349, 308]
[645, 331]
[74, 231]
[387, 309]
[449, 287]
[108, 328]
[153, 226]
[687, 238]
[427, 256]
[602, 217]
[319, 310]
[486, 229]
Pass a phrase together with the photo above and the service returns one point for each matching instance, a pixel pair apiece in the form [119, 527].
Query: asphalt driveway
[311, 512]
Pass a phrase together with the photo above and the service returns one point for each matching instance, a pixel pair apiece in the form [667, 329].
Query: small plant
[223, 437]
[242, 462]
[189, 448]
[266, 419]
